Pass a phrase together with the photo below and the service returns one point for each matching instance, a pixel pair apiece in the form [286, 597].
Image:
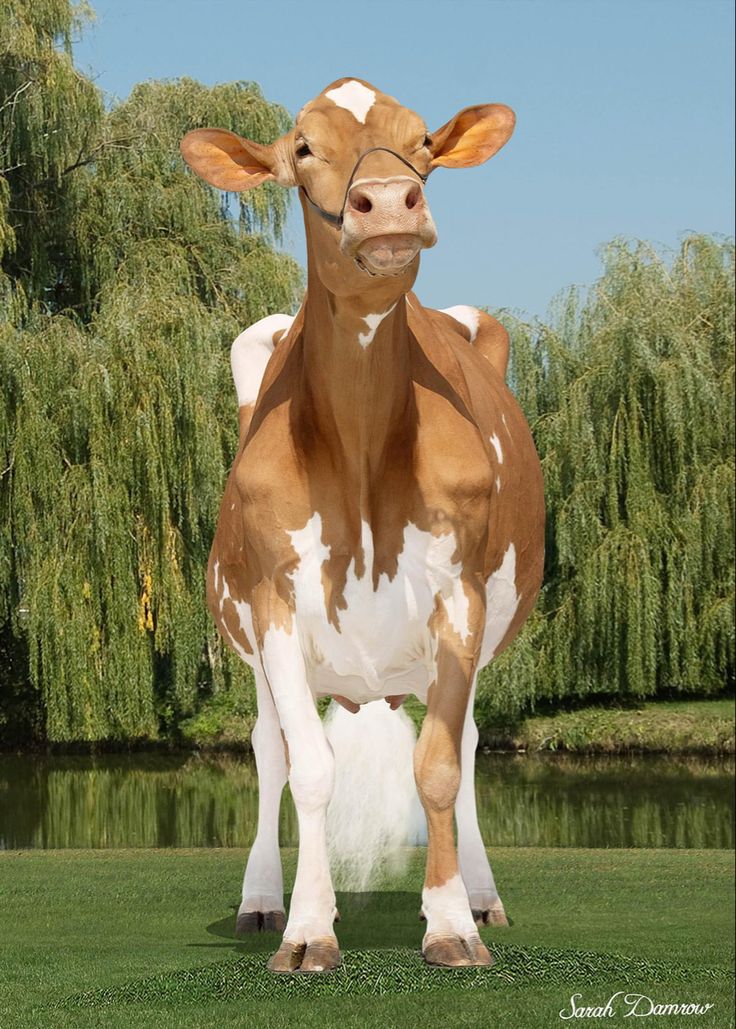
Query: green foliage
[630, 397]
[125, 279]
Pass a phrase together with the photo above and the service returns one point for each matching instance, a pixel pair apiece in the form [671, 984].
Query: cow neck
[357, 379]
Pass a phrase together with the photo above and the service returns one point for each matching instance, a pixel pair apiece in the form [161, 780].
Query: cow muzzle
[386, 222]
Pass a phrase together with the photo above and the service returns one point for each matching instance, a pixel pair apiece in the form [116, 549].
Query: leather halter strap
[338, 219]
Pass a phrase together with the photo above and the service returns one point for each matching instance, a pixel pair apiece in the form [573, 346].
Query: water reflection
[523, 800]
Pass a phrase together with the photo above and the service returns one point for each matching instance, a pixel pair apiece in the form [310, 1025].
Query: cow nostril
[412, 197]
[361, 203]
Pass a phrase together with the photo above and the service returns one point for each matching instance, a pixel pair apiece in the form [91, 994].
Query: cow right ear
[230, 162]
[472, 136]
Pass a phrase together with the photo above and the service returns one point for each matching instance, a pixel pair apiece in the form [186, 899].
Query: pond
[185, 800]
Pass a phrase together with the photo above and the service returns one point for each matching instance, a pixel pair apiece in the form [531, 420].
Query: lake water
[186, 800]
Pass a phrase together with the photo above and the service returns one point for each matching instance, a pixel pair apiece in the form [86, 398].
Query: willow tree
[631, 400]
[124, 280]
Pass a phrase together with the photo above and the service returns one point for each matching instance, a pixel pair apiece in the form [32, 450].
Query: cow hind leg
[475, 868]
[262, 905]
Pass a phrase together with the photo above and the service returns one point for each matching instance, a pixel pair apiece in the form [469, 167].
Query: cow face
[366, 214]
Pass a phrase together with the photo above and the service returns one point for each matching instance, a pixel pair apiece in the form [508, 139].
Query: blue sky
[625, 114]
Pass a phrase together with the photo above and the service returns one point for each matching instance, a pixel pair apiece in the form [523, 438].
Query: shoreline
[665, 728]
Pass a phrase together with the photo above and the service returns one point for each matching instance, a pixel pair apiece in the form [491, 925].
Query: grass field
[128, 938]
[661, 727]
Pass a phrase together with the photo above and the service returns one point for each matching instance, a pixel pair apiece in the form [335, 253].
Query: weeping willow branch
[630, 395]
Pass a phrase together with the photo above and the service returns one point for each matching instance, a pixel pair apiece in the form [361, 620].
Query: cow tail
[375, 814]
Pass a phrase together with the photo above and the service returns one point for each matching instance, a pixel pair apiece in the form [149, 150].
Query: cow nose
[384, 196]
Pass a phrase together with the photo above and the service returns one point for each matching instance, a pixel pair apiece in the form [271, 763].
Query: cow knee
[311, 779]
[437, 782]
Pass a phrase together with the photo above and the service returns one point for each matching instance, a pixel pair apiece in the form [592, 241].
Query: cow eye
[427, 141]
[303, 150]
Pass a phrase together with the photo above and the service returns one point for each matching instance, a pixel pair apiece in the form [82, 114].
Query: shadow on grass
[374, 919]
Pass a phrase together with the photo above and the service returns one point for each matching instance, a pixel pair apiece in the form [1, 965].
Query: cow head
[366, 213]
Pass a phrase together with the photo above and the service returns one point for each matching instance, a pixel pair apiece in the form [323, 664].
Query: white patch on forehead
[497, 447]
[372, 321]
[467, 316]
[354, 97]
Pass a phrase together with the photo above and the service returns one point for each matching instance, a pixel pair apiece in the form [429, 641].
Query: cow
[381, 529]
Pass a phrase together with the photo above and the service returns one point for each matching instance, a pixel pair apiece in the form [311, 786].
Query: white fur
[502, 600]
[375, 812]
[311, 777]
[467, 316]
[263, 888]
[383, 645]
[251, 352]
[472, 857]
[354, 97]
[245, 618]
[447, 909]
[372, 321]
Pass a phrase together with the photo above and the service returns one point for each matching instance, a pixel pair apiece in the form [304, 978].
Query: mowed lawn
[123, 938]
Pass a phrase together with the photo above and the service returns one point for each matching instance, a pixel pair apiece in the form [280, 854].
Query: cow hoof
[318, 956]
[287, 958]
[490, 916]
[451, 951]
[260, 921]
[321, 956]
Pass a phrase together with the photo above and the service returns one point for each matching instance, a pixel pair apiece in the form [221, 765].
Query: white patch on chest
[497, 447]
[372, 321]
[383, 645]
[467, 316]
[251, 352]
[354, 97]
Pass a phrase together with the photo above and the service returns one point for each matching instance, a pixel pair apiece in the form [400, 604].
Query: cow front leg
[474, 865]
[309, 943]
[262, 906]
[451, 937]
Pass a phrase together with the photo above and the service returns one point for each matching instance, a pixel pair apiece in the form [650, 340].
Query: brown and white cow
[381, 532]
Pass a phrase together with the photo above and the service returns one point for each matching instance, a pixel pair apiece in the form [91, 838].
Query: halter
[338, 219]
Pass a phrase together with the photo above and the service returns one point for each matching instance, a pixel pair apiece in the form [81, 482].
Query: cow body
[381, 529]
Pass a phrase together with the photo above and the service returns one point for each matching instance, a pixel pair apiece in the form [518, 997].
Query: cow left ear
[230, 162]
[472, 136]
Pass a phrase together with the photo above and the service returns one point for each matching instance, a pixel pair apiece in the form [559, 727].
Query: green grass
[144, 938]
[678, 726]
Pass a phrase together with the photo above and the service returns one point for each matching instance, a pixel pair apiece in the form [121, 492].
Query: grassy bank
[677, 727]
[144, 938]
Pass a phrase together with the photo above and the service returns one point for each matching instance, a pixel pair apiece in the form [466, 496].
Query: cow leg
[451, 937]
[474, 866]
[262, 906]
[309, 943]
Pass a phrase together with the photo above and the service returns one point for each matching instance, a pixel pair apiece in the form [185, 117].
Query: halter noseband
[338, 219]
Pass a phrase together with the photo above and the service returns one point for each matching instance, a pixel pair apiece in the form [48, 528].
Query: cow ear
[472, 136]
[230, 162]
